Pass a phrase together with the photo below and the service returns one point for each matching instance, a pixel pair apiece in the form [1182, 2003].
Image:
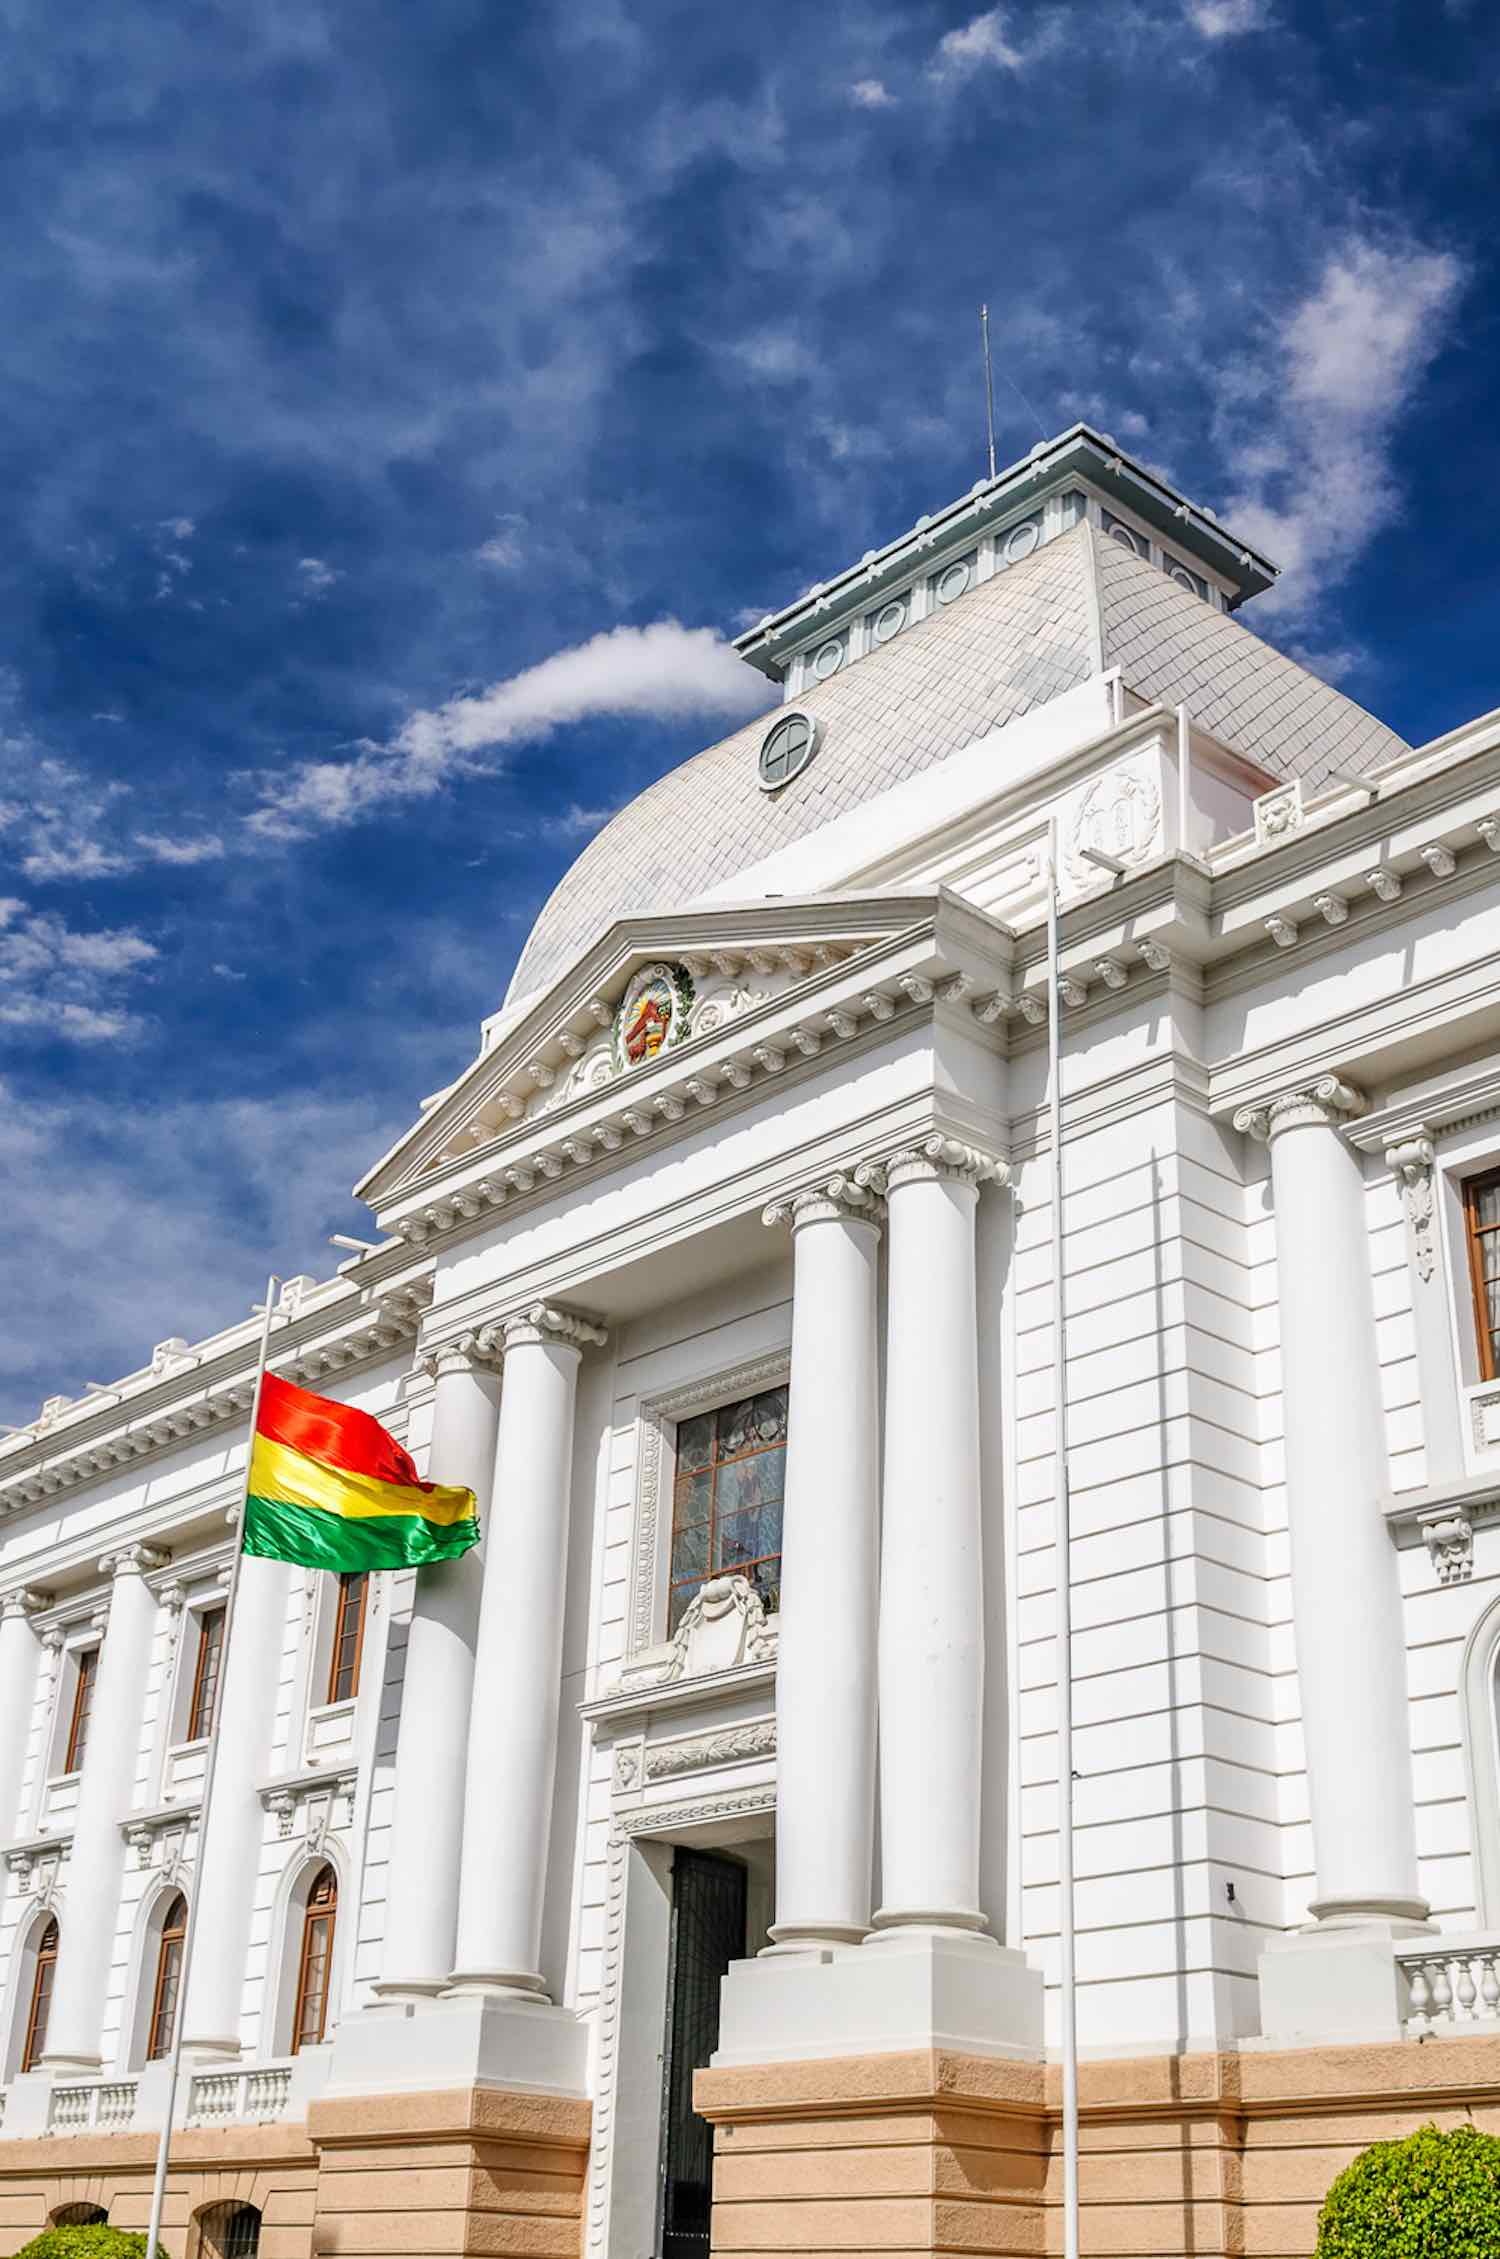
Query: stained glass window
[726, 1502]
[1482, 1213]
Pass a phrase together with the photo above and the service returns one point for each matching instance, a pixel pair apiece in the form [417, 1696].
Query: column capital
[471, 1352]
[133, 1560]
[1323, 1104]
[24, 1601]
[938, 1159]
[851, 1195]
[540, 1325]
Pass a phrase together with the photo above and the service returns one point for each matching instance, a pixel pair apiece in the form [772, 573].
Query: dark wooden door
[708, 1932]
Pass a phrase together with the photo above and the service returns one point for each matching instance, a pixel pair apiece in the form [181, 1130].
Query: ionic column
[105, 1789]
[427, 1828]
[20, 1655]
[931, 1582]
[1346, 1603]
[512, 1742]
[229, 1834]
[825, 1664]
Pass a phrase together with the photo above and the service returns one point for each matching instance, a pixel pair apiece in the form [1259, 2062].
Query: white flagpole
[1062, 1541]
[210, 1767]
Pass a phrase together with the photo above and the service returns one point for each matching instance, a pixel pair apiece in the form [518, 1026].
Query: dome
[1079, 606]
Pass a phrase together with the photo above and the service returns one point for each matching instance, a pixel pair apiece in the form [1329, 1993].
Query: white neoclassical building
[686, 1867]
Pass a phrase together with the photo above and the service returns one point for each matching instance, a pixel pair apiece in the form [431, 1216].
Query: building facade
[686, 1866]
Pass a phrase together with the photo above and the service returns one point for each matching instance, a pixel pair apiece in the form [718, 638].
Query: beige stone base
[1181, 2157]
[425, 2175]
[274, 2168]
[422, 2176]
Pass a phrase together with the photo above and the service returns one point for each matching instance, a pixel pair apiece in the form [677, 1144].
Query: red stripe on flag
[337, 1435]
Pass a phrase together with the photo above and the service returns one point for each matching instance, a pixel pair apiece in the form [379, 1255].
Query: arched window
[310, 2016]
[229, 2231]
[41, 1996]
[348, 1636]
[168, 1980]
[80, 2216]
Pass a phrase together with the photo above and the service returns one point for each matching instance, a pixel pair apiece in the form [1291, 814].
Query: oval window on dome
[890, 621]
[953, 582]
[829, 660]
[1021, 540]
[786, 749]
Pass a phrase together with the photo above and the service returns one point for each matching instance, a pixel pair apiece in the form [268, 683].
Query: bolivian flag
[329, 1489]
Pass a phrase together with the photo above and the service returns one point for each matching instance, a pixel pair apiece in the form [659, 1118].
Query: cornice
[709, 1691]
[1450, 1102]
[197, 1392]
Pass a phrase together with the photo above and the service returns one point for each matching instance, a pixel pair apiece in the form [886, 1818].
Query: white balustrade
[253, 2097]
[1452, 1984]
[94, 2106]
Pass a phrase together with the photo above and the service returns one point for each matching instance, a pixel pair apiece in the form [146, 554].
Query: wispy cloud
[1228, 19]
[664, 672]
[871, 94]
[316, 575]
[206, 847]
[982, 44]
[506, 547]
[1316, 418]
[60, 981]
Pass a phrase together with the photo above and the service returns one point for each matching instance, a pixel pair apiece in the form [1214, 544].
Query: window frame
[711, 1411]
[39, 2007]
[198, 1728]
[173, 1932]
[312, 1915]
[361, 1577]
[1483, 1180]
[85, 1684]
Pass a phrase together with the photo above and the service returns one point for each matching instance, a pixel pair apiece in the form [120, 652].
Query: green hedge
[86, 2243]
[1433, 2196]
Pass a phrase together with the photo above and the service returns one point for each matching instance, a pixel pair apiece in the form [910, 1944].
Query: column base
[496, 1984]
[911, 1989]
[523, 2045]
[1335, 1982]
[803, 1938]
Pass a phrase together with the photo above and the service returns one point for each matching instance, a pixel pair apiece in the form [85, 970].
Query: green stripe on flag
[313, 1539]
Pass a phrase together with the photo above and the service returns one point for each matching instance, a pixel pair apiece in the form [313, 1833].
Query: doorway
[708, 1931]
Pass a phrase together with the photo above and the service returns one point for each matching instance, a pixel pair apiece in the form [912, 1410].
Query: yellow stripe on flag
[279, 1472]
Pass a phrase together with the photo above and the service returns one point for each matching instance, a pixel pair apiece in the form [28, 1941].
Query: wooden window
[206, 1672]
[168, 1980]
[41, 1997]
[1482, 1219]
[348, 1637]
[87, 1671]
[726, 1499]
[315, 1967]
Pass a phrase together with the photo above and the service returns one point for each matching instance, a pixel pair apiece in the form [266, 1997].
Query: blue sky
[398, 405]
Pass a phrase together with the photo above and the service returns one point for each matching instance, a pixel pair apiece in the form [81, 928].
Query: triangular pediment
[651, 999]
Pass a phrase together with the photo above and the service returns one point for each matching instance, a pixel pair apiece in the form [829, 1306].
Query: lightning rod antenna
[989, 384]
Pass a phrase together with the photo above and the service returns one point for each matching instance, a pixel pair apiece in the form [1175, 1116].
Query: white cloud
[979, 45]
[208, 848]
[1228, 19]
[775, 356]
[1319, 418]
[58, 980]
[505, 549]
[181, 529]
[316, 575]
[871, 94]
[72, 856]
[666, 672]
